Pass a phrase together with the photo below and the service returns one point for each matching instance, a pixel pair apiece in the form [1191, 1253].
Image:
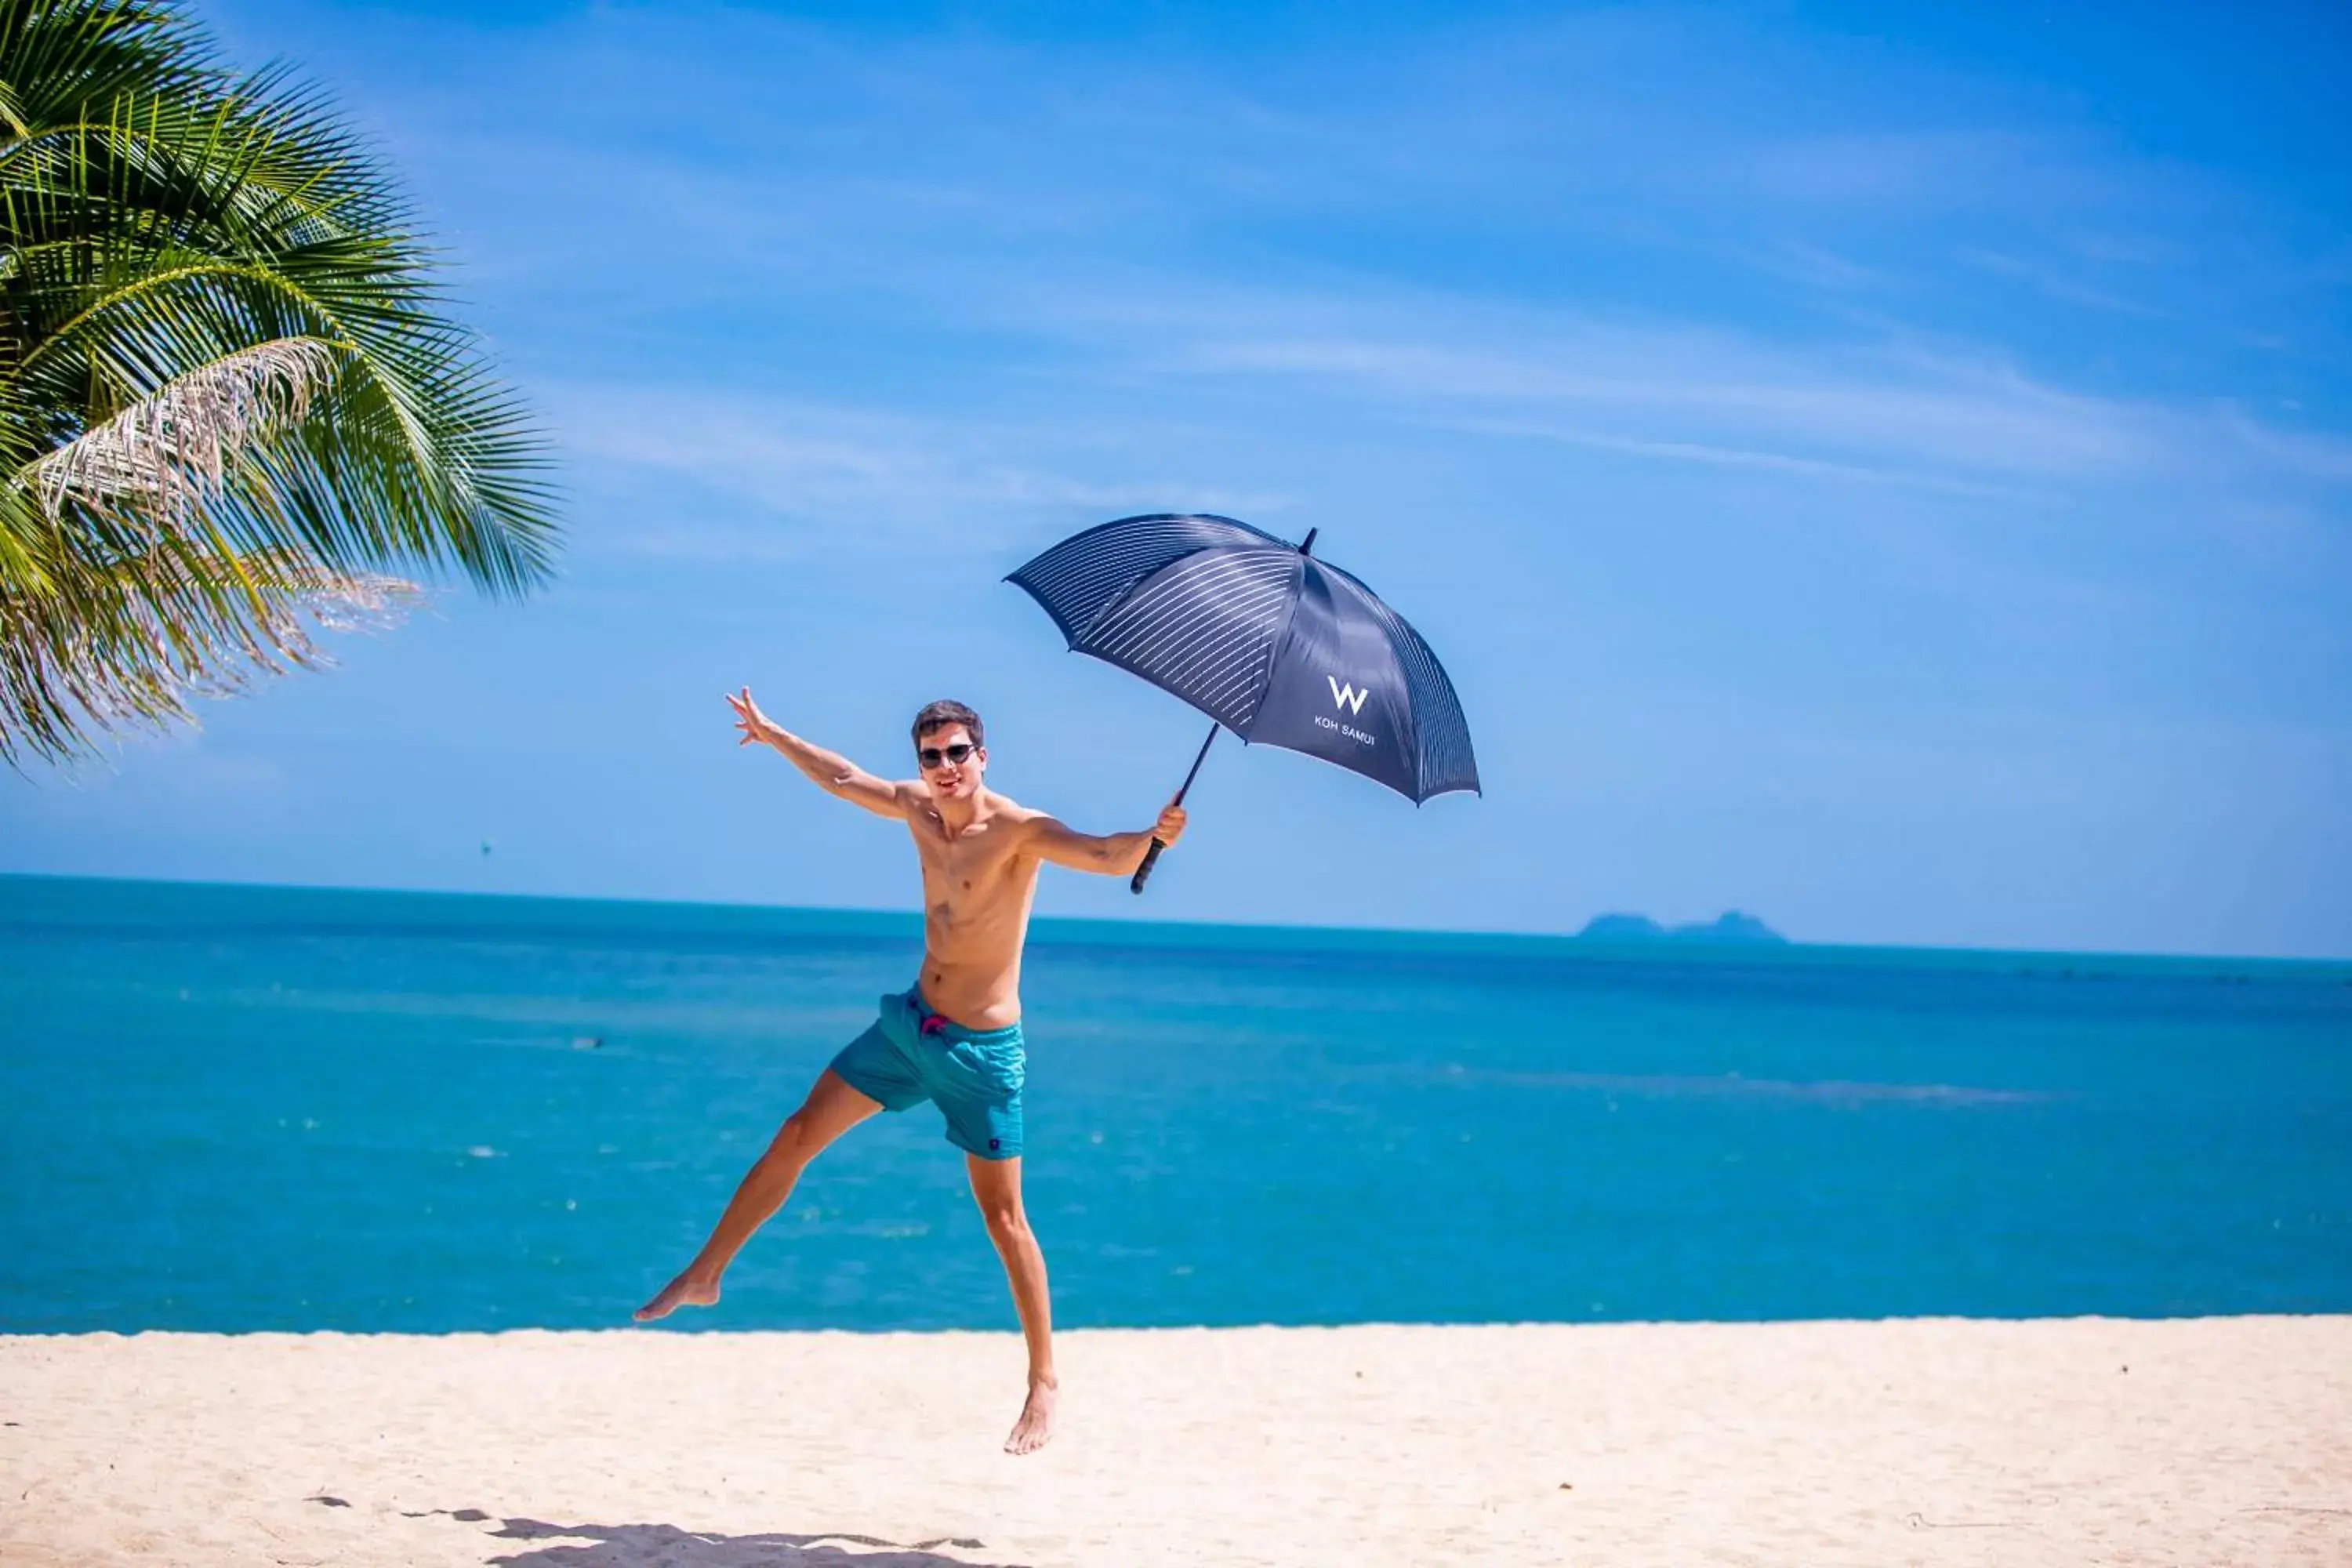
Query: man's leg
[832, 1108]
[996, 1187]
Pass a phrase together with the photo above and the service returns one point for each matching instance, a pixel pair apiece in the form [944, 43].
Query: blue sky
[1879, 468]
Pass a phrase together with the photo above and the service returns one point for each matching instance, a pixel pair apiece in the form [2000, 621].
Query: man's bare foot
[685, 1290]
[1036, 1423]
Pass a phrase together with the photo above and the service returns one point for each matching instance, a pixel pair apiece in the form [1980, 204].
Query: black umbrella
[1278, 646]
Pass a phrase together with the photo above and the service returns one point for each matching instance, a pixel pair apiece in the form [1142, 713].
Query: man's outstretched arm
[1110, 854]
[829, 770]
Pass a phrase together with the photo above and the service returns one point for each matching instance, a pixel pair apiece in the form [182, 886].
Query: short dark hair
[940, 714]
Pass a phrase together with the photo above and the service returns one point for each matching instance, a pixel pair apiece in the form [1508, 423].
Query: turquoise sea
[244, 1108]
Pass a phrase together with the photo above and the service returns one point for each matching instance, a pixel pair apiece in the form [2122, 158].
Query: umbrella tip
[1307, 544]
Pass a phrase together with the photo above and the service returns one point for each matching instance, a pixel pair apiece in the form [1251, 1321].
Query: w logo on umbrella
[1345, 695]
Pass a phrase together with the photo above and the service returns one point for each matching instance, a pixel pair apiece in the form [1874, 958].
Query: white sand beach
[1925, 1442]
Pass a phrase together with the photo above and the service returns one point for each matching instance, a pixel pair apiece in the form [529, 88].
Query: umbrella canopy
[1280, 648]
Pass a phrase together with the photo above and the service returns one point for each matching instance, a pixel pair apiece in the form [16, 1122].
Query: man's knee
[796, 1140]
[1005, 1219]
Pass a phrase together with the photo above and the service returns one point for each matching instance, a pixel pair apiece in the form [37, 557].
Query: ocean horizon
[240, 1107]
[1677, 937]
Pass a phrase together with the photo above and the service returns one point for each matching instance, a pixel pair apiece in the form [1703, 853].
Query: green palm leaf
[233, 406]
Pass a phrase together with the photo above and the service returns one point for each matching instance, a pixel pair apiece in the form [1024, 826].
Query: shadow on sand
[667, 1546]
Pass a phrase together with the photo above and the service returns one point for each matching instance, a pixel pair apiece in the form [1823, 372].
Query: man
[955, 1037]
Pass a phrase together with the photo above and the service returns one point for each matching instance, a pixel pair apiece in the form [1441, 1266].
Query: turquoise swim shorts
[911, 1055]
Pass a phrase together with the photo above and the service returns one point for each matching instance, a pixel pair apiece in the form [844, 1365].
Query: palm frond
[132, 645]
[171, 451]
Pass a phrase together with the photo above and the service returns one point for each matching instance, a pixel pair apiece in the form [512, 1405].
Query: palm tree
[231, 407]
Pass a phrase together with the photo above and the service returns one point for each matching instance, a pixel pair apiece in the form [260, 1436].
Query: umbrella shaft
[1151, 855]
[1186, 786]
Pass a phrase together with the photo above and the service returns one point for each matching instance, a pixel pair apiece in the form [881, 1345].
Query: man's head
[947, 747]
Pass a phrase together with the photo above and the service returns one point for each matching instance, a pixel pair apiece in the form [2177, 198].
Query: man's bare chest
[968, 861]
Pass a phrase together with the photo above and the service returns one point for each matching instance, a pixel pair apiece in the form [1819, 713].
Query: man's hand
[1170, 825]
[758, 730]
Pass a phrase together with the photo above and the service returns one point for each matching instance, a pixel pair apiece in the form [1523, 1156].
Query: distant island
[1731, 926]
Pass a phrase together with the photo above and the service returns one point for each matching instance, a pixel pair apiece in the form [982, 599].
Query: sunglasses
[932, 756]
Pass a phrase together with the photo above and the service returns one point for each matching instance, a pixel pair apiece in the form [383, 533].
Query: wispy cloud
[1716, 457]
[1842, 411]
[1889, 412]
[2057, 283]
[1819, 267]
[848, 476]
[1887, 168]
[2326, 459]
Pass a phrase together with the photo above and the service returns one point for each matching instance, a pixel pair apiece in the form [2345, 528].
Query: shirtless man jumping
[955, 1037]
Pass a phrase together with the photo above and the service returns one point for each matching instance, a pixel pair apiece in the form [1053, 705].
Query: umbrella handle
[1151, 855]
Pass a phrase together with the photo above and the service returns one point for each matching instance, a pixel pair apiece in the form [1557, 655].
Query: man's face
[951, 764]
